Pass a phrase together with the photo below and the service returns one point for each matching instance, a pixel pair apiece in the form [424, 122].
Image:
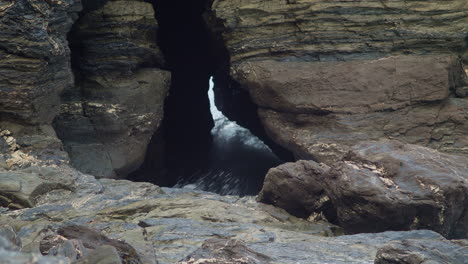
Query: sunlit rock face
[326, 74]
[237, 161]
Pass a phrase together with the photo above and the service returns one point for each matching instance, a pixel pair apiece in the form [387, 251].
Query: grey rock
[10, 240]
[422, 251]
[72, 249]
[102, 255]
[225, 251]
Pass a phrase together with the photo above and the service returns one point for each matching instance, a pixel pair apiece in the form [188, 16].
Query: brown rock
[294, 187]
[381, 186]
[326, 138]
[359, 86]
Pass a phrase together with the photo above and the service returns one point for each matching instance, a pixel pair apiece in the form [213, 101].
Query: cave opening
[197, 146]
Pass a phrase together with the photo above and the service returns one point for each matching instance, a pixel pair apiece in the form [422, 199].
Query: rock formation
[378, 186]
[326, 75]
[332, 82]
[108, 118]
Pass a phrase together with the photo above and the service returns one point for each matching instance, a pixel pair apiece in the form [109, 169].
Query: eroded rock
[292, 187]
[223, 251]
[384, 185]
[422, 251]
[108, 118]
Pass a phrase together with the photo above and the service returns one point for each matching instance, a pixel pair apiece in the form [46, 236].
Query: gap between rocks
[183, 152]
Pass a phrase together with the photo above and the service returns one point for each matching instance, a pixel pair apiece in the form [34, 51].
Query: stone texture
[326, 138]
[290, 186]
[422, 251]
[326, 75]
[163, 225]
[108, 118]
[355, 86]
[34, 59]
[34, 69]
[21, 188]
[102, 255]
[379, 186]
[339, 30]
[225, 251]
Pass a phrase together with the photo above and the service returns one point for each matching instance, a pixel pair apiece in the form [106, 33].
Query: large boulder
[380, 186]
[292, 187]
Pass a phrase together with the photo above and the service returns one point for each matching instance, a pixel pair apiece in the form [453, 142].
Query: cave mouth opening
[192, 148]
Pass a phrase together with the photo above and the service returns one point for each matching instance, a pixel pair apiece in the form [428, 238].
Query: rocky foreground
[372, 95]
[75, 218]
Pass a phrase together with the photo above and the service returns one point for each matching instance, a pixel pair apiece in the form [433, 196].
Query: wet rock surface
[386, 185]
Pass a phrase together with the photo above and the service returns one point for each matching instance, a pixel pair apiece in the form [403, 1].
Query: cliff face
[328, 74]
[111, 104]
[107, 119]
[34, 68]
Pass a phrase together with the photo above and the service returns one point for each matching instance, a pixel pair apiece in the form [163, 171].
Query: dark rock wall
[34, 69]
[108, 118]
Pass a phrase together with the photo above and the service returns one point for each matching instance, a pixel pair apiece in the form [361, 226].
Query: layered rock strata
[108, 118]
[328, 74]
[34, 69]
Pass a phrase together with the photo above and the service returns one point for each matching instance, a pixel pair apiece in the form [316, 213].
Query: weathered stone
[308, 30]
[422, 251]
[34, 59]
[382, 185]
[107, 134]
[326, 138]
[9, 239]
[22, 188]
[102, 255]
[359, 86]
[108, 118]
[292, 187]
[224, 251]
[327, 75]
